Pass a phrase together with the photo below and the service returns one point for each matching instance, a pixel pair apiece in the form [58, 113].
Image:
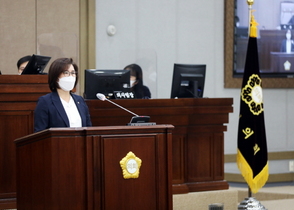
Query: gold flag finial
[253, 26]
[250, 2]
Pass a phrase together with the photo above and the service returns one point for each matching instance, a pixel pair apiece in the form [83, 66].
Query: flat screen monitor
[36, 64]
[188, 81]
[108, 82]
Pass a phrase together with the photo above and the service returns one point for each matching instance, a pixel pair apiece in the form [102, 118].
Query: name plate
[123, 95]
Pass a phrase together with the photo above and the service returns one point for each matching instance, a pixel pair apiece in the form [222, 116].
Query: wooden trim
[87, 39]
[229, 82]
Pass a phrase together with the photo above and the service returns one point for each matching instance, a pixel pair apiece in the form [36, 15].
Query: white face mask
[132, 82]
[67, 83]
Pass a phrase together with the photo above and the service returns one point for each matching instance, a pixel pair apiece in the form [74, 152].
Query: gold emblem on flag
[130, 166]
[252, 94]
[248, 132]
[256, 149]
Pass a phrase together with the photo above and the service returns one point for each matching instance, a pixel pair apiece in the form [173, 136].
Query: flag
[252, 158]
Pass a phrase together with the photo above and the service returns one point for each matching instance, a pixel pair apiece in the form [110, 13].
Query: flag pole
[251, 67]
[249, 192]
[250, 3]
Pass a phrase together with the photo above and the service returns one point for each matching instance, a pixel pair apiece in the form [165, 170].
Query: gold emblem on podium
[130, 166]
[287, 66]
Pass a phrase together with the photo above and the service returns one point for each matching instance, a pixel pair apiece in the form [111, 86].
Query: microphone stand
[122, 107]
[136, 120]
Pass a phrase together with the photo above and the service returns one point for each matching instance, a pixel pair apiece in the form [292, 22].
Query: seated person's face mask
[132, 81]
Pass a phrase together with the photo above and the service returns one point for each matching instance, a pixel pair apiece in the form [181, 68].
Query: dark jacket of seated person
[141, 91]
[61, 108]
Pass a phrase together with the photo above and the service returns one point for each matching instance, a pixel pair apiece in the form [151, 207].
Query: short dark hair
[22, 60]
[58, 67]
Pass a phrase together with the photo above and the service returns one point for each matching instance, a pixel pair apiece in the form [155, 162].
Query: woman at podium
[288, 43]
[61, 108]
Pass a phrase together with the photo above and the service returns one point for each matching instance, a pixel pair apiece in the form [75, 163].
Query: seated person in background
[141, 91]
[22, 63]
[61, 108]
[287, 44]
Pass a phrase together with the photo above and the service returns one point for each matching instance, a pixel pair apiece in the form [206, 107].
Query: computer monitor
[188, 81]
[111, 83]
[36, 64]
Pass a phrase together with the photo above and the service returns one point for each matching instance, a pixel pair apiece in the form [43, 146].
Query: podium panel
[82, 168]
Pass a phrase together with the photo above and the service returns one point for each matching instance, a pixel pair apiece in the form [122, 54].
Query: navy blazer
[283, 45]
[50, 113]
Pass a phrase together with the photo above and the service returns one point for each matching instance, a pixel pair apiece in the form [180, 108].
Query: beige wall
[45, 27]
[17, 32]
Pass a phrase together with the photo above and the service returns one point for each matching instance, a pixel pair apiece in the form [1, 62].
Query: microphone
[103, 98]
[136, 119]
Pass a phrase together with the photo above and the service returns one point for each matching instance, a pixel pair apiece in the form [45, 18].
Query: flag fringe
[254, 183]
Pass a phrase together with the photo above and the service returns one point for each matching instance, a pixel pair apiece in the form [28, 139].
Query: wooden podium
[282, 62]
[18, 97]
[95, 168]
[198, 137]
